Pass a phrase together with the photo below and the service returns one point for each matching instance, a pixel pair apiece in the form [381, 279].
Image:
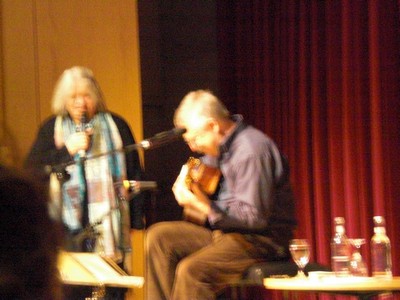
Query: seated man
[252, 217]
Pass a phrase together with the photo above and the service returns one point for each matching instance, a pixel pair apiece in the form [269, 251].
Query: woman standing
[86, 141]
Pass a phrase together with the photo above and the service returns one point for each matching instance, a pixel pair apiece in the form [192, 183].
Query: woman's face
[80, 100]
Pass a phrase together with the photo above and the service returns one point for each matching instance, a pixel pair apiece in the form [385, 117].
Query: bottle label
[381, 260]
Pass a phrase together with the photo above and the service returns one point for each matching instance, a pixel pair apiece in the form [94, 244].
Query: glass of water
[357, 264]
[300, 252]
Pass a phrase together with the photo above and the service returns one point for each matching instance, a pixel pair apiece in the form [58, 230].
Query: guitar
[207, 178]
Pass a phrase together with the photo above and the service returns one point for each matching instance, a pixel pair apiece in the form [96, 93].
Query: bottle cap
[379, 221]
[339, 221]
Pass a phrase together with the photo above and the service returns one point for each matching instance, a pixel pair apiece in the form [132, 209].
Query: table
[362, 287]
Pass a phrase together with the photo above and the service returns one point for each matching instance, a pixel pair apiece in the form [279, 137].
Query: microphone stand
[85, 207]
[63, 176]
[158, 140]
[89, 234]
[85, 240]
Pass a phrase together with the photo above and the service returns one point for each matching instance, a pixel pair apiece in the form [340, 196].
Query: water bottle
[340, 249]
[380, 250]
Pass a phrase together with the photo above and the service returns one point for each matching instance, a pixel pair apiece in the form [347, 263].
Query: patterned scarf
[102, 174]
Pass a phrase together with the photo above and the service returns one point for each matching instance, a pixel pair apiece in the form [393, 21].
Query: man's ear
[214, 125]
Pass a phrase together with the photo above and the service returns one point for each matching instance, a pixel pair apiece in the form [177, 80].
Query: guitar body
[207, 178]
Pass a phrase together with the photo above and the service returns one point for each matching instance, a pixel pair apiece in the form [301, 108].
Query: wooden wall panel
[99, 34]
[42, 38]
[18, 80]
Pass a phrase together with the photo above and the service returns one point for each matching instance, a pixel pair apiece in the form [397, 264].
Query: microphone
[162, 138]
[139, 186]
[81, 128]
[82, 125]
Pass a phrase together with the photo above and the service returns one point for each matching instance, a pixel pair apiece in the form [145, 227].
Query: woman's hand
[77, 141]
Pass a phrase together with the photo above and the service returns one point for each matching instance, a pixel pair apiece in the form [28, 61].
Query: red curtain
[322, 79]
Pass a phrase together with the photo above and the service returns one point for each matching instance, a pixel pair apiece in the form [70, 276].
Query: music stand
[94, 270]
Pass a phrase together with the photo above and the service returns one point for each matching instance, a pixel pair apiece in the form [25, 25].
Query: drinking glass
[300, 251]
[357, 264]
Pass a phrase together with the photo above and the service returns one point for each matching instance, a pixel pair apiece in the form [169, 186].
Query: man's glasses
[194, 137]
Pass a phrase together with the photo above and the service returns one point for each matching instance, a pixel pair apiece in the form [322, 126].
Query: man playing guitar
[252, 217]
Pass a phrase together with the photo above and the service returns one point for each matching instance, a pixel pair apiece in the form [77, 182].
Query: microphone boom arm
[160, 139]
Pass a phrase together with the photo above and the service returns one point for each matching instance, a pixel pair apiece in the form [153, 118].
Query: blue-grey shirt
[255, 195]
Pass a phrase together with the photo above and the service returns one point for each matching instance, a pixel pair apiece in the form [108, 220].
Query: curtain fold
[322, 78]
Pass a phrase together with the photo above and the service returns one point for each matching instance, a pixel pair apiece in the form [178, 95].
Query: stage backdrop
[322, 78]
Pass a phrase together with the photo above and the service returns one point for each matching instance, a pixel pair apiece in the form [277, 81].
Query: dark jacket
[44, 158]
